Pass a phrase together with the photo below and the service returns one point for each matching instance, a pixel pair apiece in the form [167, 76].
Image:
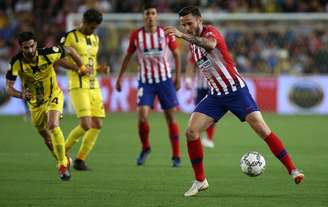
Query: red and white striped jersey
[217, 65]
[152, 53]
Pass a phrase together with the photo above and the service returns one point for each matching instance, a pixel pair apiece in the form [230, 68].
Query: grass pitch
[28, 176]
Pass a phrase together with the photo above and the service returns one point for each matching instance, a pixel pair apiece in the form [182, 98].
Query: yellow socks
[58, 142]
[73, 137]
[89, 140]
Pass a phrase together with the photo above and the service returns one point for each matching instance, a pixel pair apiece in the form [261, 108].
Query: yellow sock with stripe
[58, 142]
[89, 140]
[73, 137]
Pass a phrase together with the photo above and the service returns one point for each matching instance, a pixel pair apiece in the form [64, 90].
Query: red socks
[174, 138]
[195, 151]
[210, 132]
[278, 149]
[144, 134]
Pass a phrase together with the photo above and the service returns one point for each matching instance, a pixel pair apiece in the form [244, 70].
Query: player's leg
[275, 144]
[146, 97]
[167, 97]
[47, 140]
[39, 119]
[54, 110]
[173, 135]
[93, 128]
[143, 129]
[81, 105]
[208, 140]
[198, 123]
[244, 107]
[88, 142]
[58, 142]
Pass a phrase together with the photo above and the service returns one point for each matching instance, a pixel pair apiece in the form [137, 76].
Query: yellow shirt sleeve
[55, 53]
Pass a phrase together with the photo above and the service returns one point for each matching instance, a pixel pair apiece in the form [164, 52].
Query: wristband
[83, 69]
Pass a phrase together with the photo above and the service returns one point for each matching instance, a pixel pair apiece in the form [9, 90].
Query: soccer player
[154, 79]
[201, 91]
[45, 99]
[84, 90]
[228, 92]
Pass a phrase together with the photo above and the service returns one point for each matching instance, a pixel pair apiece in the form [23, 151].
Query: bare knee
[191, 134]
[52, 124]
[97, 123]
[85, 123]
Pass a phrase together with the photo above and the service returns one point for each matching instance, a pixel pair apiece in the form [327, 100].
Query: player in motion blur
[45, 99]
[84, 90]
[154, 79]
[228, 91]
[201, 91]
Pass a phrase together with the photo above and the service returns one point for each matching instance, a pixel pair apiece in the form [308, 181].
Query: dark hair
[149, 4]
[190, 10]
[92, 15]
[25, 36]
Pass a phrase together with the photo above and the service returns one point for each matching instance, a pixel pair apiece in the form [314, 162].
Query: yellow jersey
[87, 47]
[39, 77]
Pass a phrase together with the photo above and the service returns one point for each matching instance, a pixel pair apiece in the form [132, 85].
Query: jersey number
[55, 100]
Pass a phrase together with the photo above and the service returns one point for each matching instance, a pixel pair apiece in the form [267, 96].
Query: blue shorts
[165, 92]
[201, 93]
[240, 103]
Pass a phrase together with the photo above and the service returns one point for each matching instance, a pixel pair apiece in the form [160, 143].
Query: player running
[228, 92]
[45, 99]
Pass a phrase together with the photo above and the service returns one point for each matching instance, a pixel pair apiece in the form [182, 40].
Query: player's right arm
[208, 43]
[124, 66]
[126, 60]
[11, 77]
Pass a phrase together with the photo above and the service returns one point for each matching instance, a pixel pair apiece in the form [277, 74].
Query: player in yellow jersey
[84, 90]
[45, 99]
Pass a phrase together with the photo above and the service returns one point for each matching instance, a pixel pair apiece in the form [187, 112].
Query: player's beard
[29, 55]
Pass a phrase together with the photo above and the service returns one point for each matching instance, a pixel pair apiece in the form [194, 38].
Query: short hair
[149, 4]
[92, 15]
[190, 10]
[25, 36]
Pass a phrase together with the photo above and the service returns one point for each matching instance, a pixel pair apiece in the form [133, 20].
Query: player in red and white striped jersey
[154, 79]
[228, 93]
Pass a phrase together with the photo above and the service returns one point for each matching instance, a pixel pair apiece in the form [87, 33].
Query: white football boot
[196, 187]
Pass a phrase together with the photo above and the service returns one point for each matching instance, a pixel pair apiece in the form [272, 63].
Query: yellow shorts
[87, 102]
[40, 114]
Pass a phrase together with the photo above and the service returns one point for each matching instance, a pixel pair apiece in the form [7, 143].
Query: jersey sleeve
[12, 73]
[172, 42]
[132, 46]
[212, 32]
[67, 40]
[55, 53]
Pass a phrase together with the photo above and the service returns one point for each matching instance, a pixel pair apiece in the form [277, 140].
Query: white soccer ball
[252, 164]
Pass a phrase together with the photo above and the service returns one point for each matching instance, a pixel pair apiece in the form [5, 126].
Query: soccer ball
[252, 164]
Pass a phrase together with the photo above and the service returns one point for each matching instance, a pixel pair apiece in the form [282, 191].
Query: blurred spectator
[267, 51]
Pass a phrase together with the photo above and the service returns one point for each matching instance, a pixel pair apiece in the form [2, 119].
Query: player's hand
[103, 68]
[177, 84]
[170, 30]
[118, 85]
[85, 70]
[26, 94]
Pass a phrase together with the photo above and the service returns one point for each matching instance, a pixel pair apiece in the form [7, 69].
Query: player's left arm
[77, 59]
[177, 62]
[208, 43]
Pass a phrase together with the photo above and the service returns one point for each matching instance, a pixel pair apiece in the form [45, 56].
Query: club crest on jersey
[55, 49]
[62, 40]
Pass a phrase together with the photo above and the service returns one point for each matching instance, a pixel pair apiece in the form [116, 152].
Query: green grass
[28, 175]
